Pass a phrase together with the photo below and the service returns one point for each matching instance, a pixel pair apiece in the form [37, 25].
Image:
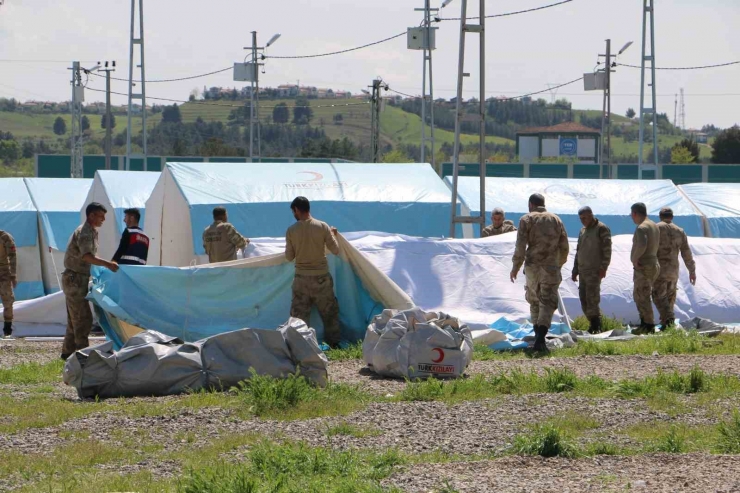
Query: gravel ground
[649, 473]
[467, 428]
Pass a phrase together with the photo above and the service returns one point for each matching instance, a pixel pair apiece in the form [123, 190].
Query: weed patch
[728, 441]
[295, 397]
[545, 440]
[32, 373]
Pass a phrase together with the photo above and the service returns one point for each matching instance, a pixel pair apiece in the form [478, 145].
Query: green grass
[295, 397]
[32, 373]
[354, 351]
[671, 342]
[607, 324]
[728, 441]
[547, 441]
[41, 126]
[292, 467]
[620, 147]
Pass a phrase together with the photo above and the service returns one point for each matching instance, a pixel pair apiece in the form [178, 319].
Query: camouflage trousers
[541, 292]
[664, 297]
[8, 298]
[589, 292]
[79, 316]
[644, 280]
[319, 291]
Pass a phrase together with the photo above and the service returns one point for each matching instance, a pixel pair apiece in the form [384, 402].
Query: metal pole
[424, 83]
[431, 101]
[143, 80]
[642, 92]
[609, 105]
[482, 102]
[603, 123]
[108, 120]
[251, 96]
[458, 112]
[130, 87]
[655, 94]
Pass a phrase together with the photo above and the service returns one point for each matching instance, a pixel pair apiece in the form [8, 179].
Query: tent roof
[566, 196]
[560, 128]
[714, 199]
[127, 188]
[218, 183]
[59, 194]
[14, 196]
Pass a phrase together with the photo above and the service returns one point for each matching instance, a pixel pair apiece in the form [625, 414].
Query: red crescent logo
[440, 353]
[316, 176]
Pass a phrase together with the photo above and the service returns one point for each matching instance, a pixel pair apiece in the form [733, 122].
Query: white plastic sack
[416, 344]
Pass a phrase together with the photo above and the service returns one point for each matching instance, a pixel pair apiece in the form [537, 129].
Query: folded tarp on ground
[117, 191]
[18, 217]
[194, 303]
[414, 343]
[609, 199]
[397, 198]
[58, 201]
[718, 202]
[152, 363]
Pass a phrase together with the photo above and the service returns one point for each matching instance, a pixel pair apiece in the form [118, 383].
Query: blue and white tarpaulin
[118, 191]
[395, 198]
[609, 199]
[18, 217]
[192, 303]
[58, 201]
[719, 204]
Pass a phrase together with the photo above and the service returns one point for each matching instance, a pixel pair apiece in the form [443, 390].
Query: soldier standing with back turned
[8, 279]
[543, 236]
[221, 240]
[593, 255]
[672, 241]
[644, 258]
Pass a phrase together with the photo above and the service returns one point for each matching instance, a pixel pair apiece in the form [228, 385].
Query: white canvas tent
[117, 191]
[718, 202]
[18, 217]
[395, 198]
[58, 201]
[609, 199]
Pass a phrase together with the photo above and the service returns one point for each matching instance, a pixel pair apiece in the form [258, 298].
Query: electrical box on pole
[594, 82]
[421, 38]
[245, 72]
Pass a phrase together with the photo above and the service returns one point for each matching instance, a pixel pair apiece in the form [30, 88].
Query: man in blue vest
[134, 246]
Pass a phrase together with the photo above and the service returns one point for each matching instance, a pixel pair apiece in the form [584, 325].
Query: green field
[620, 147]
[23, 125]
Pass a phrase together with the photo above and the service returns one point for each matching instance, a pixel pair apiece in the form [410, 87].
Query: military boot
[540, 344]
[671, 322]
[8, 329]
[595, 327]
[644, 328]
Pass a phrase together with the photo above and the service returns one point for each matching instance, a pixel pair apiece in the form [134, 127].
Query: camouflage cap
[666, 212]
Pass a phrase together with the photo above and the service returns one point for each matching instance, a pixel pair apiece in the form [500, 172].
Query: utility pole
[606, 114]
[376, 101]
[682, 115]
[141, 95]
[648, 11]
[479, 117]
[249, 72]
[108, 117]
[423, 38]
[675, 110]
[76, 144]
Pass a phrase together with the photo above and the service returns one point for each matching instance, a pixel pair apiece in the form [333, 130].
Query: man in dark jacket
[134, 246]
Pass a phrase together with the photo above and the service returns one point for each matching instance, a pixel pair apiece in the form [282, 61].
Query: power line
[513, 97]
[438, 19]
[171, 80]
[337, 52]
[685, 68]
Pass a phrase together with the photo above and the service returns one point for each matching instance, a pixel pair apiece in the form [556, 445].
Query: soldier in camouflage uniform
[80, 255]
[672, 241]
[306, 242]
[8, 279]
[543, 236]
[500, 224]
[221, 240]
[593, 255]
[644, 258]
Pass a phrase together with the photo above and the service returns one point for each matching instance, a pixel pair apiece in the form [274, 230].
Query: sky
[524, 52]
